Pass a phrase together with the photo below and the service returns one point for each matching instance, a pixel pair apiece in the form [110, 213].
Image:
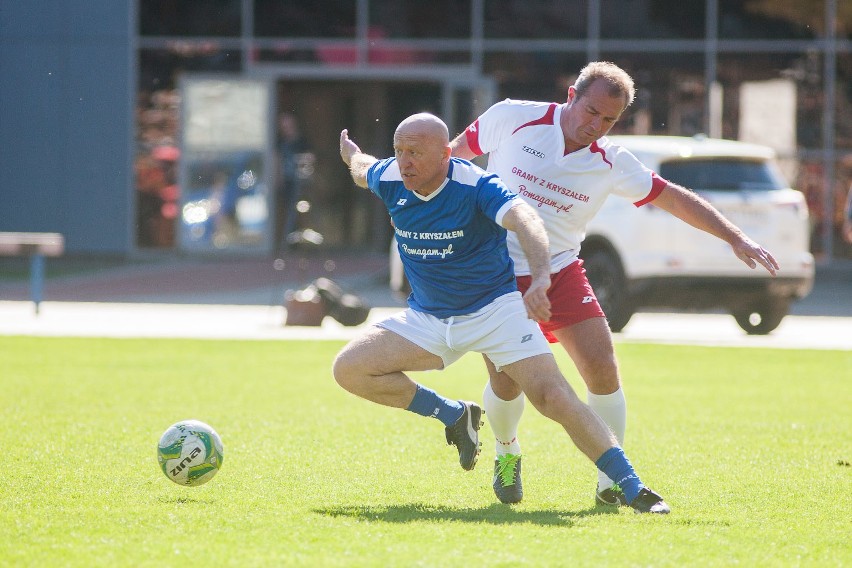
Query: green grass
[750, 447]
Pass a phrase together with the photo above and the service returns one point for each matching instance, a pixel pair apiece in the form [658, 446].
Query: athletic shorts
[501, 330]
[572, 299]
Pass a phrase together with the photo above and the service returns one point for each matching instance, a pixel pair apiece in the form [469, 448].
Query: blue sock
[617, 467]
[427, 402]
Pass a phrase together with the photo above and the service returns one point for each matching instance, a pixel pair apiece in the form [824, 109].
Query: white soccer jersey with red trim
[527, 150]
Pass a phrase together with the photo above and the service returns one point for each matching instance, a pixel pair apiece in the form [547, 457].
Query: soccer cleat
[649, 502]
[612, 496]
[507, 479]
[464, 435]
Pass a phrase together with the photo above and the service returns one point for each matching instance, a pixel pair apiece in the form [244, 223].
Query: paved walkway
[243, 299]
[88, 319]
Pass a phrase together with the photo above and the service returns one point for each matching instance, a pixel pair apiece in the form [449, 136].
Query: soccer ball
[190, 453]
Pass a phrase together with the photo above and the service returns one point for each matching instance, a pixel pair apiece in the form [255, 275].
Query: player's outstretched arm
[696, 211]
[358, 161]
[532, 236]
[460, 147]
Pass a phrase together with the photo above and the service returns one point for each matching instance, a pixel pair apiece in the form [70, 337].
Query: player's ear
[572, 93]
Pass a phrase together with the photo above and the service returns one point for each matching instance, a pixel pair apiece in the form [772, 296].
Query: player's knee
[601, 376]
[552, 398]
[344, 371]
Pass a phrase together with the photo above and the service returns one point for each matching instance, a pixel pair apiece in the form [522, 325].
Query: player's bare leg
[370, 367]
[589, 344]
[545, 387]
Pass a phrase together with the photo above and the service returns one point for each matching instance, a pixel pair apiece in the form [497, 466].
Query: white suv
[645, 257]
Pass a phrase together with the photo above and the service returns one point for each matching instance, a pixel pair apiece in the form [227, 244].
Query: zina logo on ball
[190, 453]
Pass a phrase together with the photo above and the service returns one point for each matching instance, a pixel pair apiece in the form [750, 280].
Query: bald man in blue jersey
[450, 219]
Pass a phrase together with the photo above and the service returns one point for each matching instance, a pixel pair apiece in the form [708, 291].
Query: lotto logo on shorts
[526, 338]
[588, 299]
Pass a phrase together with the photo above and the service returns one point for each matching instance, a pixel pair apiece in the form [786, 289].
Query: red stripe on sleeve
[658, 184]
[472, 135]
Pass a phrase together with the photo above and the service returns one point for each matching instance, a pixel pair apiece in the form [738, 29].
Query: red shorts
[571, 299]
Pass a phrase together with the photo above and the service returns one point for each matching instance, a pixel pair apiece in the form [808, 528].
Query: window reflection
[535, 19]
[653, 19]
[543, 76]
[432, 19]
[300, 18]
[225, 202]
[189, 17]
[671, 98]
[158, 158]
[770, 19]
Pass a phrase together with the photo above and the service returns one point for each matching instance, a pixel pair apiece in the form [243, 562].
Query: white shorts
[501, 330]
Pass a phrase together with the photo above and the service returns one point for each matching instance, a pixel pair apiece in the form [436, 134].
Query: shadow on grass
[186, 500]
[495, 514]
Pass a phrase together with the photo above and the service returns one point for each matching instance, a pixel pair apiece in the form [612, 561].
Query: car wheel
[763, 317]
[606, 276]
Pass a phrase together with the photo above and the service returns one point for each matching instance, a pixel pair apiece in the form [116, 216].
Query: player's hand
[753, 254]
[536, 300]
[348, 148]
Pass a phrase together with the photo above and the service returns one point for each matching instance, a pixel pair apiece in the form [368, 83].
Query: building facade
[211, 127]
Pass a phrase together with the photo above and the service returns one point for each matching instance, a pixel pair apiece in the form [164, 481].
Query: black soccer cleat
[464, 435]
[507, 479]
[649, 502]
[611, 496]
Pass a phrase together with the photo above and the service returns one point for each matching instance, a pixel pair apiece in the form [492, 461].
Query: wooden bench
[36, 246]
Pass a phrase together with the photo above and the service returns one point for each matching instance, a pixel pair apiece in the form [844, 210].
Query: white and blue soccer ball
[190, 453]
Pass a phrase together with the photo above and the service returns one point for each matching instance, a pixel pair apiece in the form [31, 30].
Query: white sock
[612, 408]
[503, 417]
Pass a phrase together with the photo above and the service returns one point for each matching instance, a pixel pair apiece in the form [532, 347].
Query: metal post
[829, 84]
[36, 278]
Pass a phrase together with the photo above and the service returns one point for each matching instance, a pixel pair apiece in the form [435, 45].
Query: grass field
[751, 448]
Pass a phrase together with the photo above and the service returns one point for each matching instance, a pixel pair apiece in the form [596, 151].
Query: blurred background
[147, 128]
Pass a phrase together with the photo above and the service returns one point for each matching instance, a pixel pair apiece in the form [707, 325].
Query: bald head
[421, 146]
[424, 124]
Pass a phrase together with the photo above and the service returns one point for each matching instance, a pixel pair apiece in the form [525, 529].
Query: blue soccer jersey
[452, 246]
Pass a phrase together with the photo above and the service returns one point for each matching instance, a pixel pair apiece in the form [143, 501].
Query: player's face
[423, 160]
[590, 116]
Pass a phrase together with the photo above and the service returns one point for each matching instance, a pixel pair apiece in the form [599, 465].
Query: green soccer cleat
[507, 479]
[464, 435]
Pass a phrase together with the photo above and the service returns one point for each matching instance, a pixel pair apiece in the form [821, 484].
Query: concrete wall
[66, 78]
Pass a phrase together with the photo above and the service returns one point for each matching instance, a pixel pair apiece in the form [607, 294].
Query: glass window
[844, 20]
[843, 205]
[723, 174]
[189, 18]
[670, 93]
[432, 19]
[843, 118]
[300, 18]
[800, 72]
[653, 19]
[770, 19]
[157, 131]
[535, 19]
[541, 76]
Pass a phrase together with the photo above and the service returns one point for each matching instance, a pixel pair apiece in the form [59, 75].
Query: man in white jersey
[451, 220]
[558, 159]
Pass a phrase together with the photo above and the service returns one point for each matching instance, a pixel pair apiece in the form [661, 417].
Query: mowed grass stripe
[750, 447]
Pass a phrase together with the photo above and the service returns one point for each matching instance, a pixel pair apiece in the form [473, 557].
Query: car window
[723, 174]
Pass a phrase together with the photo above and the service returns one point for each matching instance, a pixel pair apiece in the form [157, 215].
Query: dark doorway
[345, 215]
